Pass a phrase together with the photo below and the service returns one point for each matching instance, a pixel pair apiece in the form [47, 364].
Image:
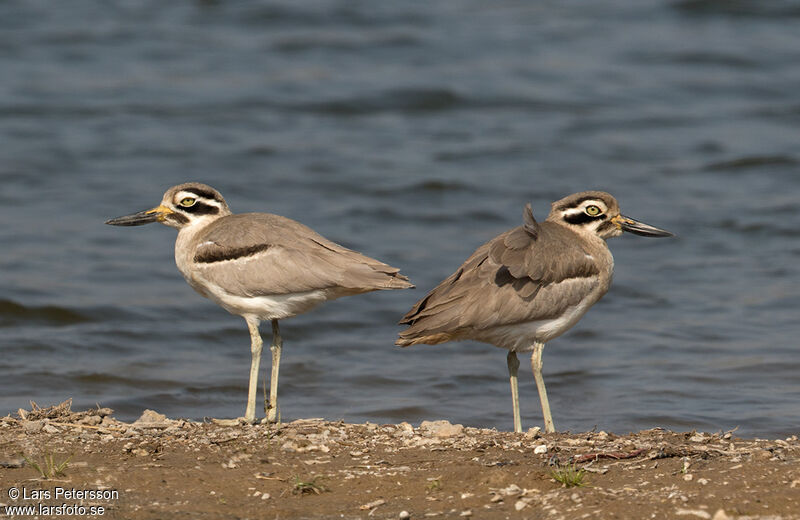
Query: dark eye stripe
[199, 208]
[582, 218]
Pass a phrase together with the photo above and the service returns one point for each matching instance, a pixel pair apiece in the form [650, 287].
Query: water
[411, 131]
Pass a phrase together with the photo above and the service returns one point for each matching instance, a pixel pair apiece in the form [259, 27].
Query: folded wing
[274, 255]
[506, 281]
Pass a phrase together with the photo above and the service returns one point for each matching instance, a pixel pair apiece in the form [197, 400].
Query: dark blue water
[414, 132]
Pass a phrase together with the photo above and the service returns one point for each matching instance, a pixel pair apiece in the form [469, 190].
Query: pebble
[513, 489]
[373, 504]
[404, 515]
[540, 449]
[405, 427]
[762, 454]
[688, 477]
[91, 420]
[533, 433]
[441, 428]
[12, 463]
[49, 428]
[721, 515]
[150, 417]
[32, 426]
[694, 512]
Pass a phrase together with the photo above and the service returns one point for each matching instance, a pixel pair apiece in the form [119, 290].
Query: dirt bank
[312, 468]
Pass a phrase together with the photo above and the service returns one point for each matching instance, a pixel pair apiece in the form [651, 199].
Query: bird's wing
[260, 254]
[532, 272]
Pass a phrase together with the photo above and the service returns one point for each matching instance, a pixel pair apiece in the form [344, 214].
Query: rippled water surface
[414, 132]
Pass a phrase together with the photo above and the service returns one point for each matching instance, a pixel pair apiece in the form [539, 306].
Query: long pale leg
[255, 349]
[277, 344]
[513, 365]
[536, 365]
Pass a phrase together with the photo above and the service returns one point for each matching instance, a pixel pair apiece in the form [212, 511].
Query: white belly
[520, 337]
[270, 307]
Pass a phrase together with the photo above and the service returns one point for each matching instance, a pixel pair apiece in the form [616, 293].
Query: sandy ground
[312, 468]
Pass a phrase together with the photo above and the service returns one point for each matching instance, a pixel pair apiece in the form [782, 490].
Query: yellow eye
[593, 210]
[187, 202]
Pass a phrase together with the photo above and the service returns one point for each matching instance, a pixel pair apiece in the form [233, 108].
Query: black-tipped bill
[640, 228]
[143, 217]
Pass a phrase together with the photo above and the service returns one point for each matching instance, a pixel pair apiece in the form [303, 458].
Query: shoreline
[313, 468]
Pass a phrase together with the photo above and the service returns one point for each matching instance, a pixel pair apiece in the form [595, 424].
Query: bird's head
[597, 213]
[183, 205]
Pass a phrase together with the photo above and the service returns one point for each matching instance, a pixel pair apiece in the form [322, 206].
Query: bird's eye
[187, 202]
[592, 210]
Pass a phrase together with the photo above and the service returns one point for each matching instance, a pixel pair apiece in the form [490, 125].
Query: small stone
[139, 452]
[441, 428]
[511, 490]
[404, 515]
[721, 515]
[533, 433]
[265, 496]
[540, 449]
[702, 481]
[762, 454]
[497, 498]
[373, 504]
[32, 426]
[688, 477]
[405, 427]
[12, 463]
[466, 495]
[92, 420]
[466, 513]
[49, 428]
[519, 505]
[150, 416]
[698, 437]
[694, 512]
